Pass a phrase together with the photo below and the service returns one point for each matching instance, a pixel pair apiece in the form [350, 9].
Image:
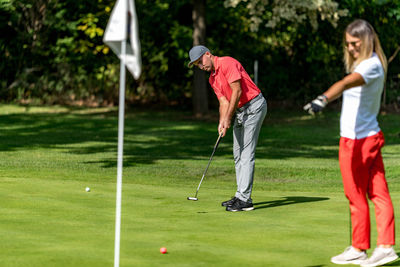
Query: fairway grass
[49, 155]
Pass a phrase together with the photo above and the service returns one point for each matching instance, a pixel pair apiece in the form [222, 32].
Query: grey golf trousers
[246, 129]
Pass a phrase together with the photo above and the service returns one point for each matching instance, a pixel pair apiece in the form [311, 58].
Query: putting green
[49, 156]
[58, 223]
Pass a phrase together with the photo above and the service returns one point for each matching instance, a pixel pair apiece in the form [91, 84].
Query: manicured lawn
[48, 155]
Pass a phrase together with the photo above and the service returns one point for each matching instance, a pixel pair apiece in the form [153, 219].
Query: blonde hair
[369, 44]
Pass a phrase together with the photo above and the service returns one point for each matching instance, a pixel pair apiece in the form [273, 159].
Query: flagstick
[120, 153]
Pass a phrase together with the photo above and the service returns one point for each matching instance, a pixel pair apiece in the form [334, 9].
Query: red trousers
[363, 174]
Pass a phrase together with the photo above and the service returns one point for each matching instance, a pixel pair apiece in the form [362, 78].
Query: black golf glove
[316, 105]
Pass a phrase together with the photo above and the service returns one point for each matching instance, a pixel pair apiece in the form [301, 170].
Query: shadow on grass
[287, 201]
[152, 136]
[395, 263]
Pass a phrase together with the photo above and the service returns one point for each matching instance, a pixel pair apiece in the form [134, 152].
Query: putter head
[192, 198]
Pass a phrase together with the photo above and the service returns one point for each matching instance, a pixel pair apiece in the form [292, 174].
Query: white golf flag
[123, 24]
[122, 35]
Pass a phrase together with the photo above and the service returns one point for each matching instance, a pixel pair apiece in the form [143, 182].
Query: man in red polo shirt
[240, 98]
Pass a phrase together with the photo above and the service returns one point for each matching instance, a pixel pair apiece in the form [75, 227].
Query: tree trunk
[199, 90]
[384, 88]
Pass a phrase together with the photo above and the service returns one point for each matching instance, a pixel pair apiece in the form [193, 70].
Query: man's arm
[228, 108]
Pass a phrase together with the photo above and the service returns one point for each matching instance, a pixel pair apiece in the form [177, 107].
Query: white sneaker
[380, 256]
[350, 256]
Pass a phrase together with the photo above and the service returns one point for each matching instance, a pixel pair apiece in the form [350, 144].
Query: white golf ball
[87, 189]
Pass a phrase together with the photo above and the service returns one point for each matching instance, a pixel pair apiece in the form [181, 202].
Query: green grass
[48, 155]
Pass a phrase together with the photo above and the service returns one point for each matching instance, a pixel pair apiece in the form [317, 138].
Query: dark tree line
[52, 52]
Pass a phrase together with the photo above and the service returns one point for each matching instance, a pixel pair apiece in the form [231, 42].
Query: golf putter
[205, 171]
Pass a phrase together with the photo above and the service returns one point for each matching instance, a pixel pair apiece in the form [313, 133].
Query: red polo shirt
[229, 70]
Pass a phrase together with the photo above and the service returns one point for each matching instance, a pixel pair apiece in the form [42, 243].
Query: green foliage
[53, 50]
[298, 12]
[299, 42]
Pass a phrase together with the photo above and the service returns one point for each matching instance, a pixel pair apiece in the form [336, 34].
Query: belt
[250, 102]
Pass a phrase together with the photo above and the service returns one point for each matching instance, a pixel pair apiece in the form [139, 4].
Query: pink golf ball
[163, 250]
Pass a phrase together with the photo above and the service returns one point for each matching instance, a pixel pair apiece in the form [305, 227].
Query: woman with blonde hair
[361, 141]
